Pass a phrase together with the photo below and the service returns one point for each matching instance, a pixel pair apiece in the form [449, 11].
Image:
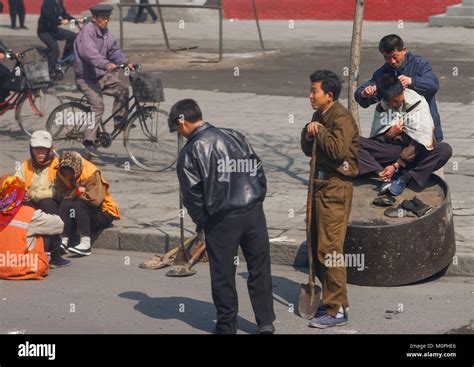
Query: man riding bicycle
[96, 55]
[54, 14]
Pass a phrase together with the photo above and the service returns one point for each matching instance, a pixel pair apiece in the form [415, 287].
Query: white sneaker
[83, 248]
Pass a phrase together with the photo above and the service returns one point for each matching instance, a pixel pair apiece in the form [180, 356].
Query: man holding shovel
[223, 187]
[335, 134]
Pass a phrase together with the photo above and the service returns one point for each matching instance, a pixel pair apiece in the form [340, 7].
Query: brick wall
[407, 10]
[72, 6]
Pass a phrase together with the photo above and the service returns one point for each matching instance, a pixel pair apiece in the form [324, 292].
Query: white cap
[41, 138]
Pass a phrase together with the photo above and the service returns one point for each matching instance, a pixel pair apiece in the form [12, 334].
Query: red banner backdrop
[72, 6]
[411, 10]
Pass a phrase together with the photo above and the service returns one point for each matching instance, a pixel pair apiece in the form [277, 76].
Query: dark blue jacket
[51, 10]
[424, 82]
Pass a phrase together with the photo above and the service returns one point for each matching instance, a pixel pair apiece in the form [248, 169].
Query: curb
[289, 254]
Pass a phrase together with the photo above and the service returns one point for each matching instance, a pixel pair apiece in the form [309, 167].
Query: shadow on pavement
[198, 314]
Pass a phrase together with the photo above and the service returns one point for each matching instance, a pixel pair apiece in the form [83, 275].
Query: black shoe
[63, 249]
[266, 330]
[409, 205]
[420, 207]
[384, 201]
[23, 27]
[57, 261]
[91, 148]
[398, 212]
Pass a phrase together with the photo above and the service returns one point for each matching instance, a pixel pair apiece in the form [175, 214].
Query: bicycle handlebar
[124, 67]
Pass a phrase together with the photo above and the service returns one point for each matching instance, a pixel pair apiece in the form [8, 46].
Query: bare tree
[355, 58]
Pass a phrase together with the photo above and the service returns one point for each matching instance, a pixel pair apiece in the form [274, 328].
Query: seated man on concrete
[401, 146]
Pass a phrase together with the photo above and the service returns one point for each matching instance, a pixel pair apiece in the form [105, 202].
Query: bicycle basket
[15, 83]
[37, 73]
[148, 88]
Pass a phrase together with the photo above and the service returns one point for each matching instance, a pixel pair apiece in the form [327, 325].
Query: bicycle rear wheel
[148, 141]
[67, 123]
[33, 115]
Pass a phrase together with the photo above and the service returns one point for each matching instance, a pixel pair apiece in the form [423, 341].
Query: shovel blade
[182, 257]
[156, 262]
[309, 300]
[180, 272]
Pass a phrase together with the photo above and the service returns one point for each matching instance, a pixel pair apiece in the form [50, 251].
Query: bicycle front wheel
[33, 114]
[148, 141]
[67, 123]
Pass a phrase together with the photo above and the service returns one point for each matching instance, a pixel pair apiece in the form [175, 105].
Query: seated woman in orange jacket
[86, 205]
[22, 228]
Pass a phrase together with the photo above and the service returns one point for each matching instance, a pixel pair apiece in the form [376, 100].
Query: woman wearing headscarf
[86, 204]
[23, 253]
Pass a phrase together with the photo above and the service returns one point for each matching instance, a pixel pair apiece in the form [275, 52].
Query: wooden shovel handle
[309, 213]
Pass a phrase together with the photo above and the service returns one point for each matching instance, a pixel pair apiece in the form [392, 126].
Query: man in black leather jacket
[223, 186]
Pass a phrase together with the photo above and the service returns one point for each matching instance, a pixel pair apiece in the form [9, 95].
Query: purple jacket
[93, 50]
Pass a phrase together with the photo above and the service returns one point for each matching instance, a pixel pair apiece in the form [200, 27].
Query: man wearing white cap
[39, 175]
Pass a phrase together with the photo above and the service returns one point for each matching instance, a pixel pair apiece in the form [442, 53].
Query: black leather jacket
[219, 173]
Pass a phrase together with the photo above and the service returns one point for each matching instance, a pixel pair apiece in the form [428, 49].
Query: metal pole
[221, 31]
[163, 28]
[121, 25]
[258, 24]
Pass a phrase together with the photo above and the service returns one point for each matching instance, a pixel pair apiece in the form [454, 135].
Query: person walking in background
[149, 9]
[17, 7]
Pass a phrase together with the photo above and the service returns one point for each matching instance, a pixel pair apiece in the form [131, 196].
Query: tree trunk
[355, 58]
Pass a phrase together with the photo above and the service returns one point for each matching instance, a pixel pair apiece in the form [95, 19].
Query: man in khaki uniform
[336, 136]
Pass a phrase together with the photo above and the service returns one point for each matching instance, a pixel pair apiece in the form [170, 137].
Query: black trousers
[82, 219]
[49, 206]
[375, 155]
[17, 7]
[4, 75]
[149, 9]
[50, 39]
[223, 236]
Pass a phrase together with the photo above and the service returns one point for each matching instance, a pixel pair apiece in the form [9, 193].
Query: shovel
[159, 262]
[309, 293]
[182, 256]
[185, 271]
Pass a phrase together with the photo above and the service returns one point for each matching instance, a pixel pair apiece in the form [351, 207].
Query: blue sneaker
[384, 187]
[397, 187]
[327, 321]
[322, 310]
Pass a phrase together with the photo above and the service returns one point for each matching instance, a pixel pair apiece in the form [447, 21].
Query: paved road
[108, 293]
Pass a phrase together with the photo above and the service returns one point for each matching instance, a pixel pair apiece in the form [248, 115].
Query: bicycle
[145, 127]
[29, 88]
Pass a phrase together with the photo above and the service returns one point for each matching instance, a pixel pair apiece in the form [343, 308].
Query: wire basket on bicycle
[37, 74]
[147, 88]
